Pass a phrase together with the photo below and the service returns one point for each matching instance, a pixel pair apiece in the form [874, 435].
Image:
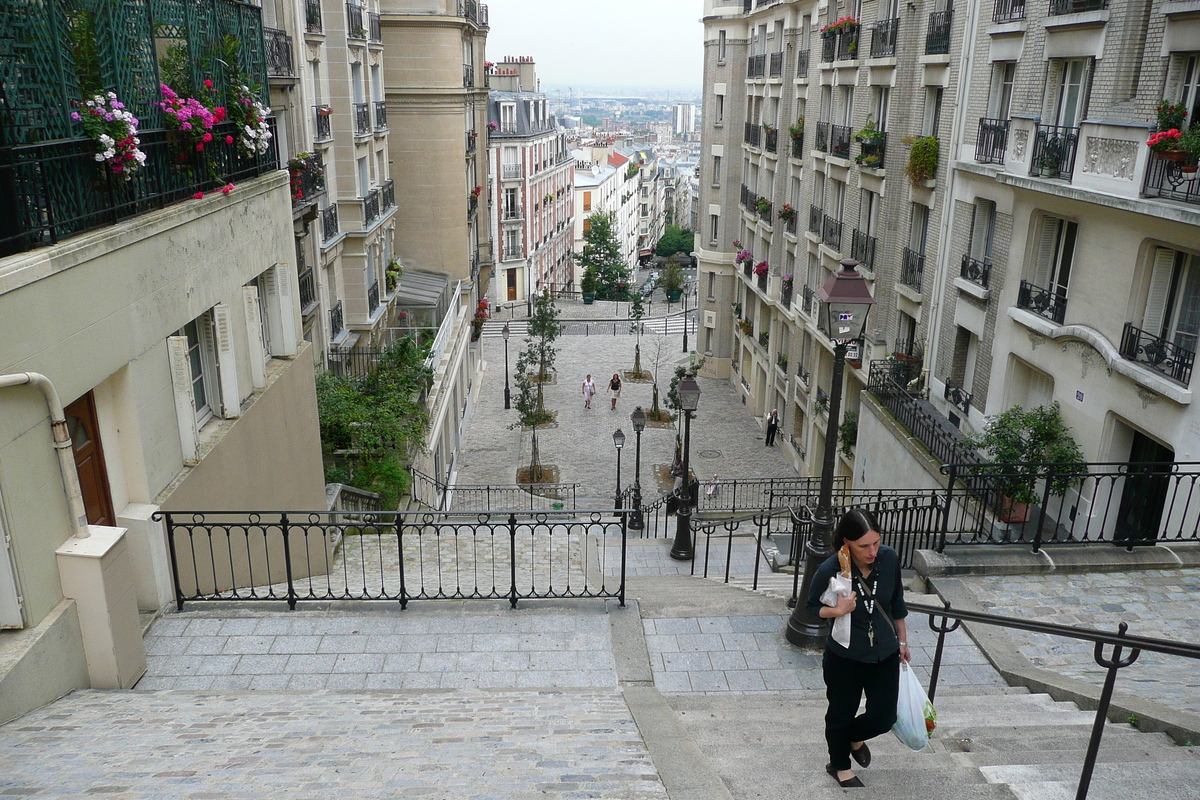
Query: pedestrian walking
[867, 657]
[713, 488]
[772, 427]
[589, 390]
[614, 389]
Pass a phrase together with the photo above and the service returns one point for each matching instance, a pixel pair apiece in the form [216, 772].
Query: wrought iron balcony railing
[913, 266]
[909, 350]
[752, 135]
[785, 294]
[815, 218]
[312, 16]
[323, 125]
[798, 146]
[831, 232]
[329, 223]
[1008, 10]
[991, 141]
[977, 271]
[1054, 149]
[1165, 179]
[937, 38]
[387, 197]
[959, 397]
[770, 139]
[1161, 355]
[821, 143]
[511, 172]
[381, 115]
[1044, 302]
[828, 47]
[355, 29]
[872, 148]
[472, 139]
[308, 289]
[888, 381]
[775, 69]
[279, 53]
[762, 287]
[862, 249]
[362, 119]
[1060, 7]
[802, 64]
[335, 320]
[883, 38]
[374, 28]
[307, 179]
[839, 140]
[747, 198]
[806, 303]
[791, 224]
[370, 206]
[373, 298]
[757, 66]
[848, 44]
[468, 76]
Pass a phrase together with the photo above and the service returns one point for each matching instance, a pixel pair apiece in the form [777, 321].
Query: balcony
[888, 380]
[752, 135]
[802, 64]
[472, 139]
[1060, 7]
[790, 225]
[762, 287]
[831, 232]
[307, 179]
[374, 28]
[828, 47]
[323, 127]
[883, 38]
[911, 269]
[848, 44]
[821, 142]
[1157, 353]
[1165, 179]
[937, 37]
[362, 119]
[354, 22]
[991, 141]
[1054, 149]
[469, 78]
[839, 140]
[770, 139]
[370, 206]
[798, 146]
[512, 213]
[373, 298]
[958, 397]
[387, 197]
[806, 304]
[329, 223]
[335, 321]
[862, 249]
[775, 69]
[279, 53]
[380, 115]
[308, 289]
[756, 66]
[975, 270]
[1008, 10]
[872, 149]
[475, 11]
[785, 294]
[1043, 302]
[814, 219]
[312, 16]
[512, 172]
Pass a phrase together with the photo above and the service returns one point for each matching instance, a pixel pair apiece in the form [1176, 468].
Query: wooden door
[1146, 486]
[84, 428]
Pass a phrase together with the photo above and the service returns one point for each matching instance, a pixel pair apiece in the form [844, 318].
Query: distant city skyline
[612, 48]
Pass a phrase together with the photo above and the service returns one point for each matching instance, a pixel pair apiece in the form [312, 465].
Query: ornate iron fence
[913, 266]
[354, 21]
[380, 115]
[848, 43]
[312, 16]
[937, 37]
[883, 38]
[1008, 10]
[815, 219]
[279, 53]
[370, 205]
[1165, 179]
[991, 141]
[323, 123]
[862, 249]
[373, 298]
[828, 46]
[1054, 149]
[362, 119]
[975, 270]
[335, 320]
[831, 232]
[1045, 302]
[308, 288]
[1161, 355]
[839, 140]
[821, 143]
[944, 443]
[388, 195]
[329, 223]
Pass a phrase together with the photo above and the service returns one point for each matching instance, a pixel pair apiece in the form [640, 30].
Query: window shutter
[1041, 390]
[280, 310]
[222, 330]
[997, 89]
[1155, 318]
[185, 405]
[1054, 79]
[258, 374]
[1047, 244]
[981, 230]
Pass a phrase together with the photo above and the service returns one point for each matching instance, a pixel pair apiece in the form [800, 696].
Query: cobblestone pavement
[1157, 603]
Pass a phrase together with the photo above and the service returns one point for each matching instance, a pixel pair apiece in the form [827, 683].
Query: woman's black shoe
[862, 755]
[849, 783]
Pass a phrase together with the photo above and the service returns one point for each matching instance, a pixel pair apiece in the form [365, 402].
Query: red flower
[198, 196]
[199, 146]
[207, 84]
[228, 140]
[227, 188]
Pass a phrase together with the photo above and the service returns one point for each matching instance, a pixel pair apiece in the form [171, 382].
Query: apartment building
[606, 182]
[808, 109]
[685, 118]
[155, 287]
[531, 185]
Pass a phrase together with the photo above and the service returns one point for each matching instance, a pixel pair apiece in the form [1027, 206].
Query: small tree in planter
[1021, 443]
[588, 286]
[672, 281]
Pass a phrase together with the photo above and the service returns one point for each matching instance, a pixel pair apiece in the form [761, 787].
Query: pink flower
[75, 116]
[198, 196]
[228, 140]
[208, 137]
[227, 188]
[199, 147]
[207, 84]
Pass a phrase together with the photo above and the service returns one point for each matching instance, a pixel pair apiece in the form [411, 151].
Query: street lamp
[507, 397]
[847, 303]
[619, 441]
[685, 320]
[638, 417]
[689, 398]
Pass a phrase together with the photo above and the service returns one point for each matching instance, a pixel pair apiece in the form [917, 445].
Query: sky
[606, 45]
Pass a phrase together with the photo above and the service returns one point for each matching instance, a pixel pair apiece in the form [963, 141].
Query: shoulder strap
[879, 606]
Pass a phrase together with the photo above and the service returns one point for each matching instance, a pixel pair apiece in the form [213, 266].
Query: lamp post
[847, 303]
[507, 397]
[685, 295]
[689, 398]
[638, 417]
[619, 442]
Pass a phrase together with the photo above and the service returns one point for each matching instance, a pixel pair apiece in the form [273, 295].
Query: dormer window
[508, 117]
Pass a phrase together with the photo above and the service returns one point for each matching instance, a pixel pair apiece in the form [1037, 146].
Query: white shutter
[1047, 246]
[10, 598]
[281, 310]
[1054, 79]
[258, 375]
[222, 330]
[981, 230]
[1160, 287]
[185, 404]
[1041, 390]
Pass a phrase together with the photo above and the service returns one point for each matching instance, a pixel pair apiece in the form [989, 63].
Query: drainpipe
[62, 443]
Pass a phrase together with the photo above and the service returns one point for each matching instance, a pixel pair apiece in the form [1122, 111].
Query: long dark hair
[853, 525]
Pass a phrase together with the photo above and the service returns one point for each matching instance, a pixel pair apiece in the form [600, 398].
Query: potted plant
[848, 433]
[1189, 143]
[391, 276]
[797, 131]
[588, 287]
[761, 269]
[762, 205]
[1021, 443]
[847, 23]
[672, 282]
[1165, 145]
[1170, 115]
[922, 160]
[744, 257]
[746, 327]
[787, 213]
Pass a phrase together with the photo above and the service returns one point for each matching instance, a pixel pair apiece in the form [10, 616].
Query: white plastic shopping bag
[838, 587]
[915, 715]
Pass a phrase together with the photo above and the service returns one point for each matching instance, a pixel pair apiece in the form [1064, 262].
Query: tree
[660, 351]
[534, 365]
[673, 399]
[601, 258]
[675, 240]
[636, 311]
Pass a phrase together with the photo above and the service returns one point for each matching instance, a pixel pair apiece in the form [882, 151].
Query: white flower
[99, 156]
[106, 140]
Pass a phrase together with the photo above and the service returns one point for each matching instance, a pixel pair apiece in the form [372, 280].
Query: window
[356, 81]
[880, 102]
[1004, 73]
[508, 117]
[1056, 249]
[266, 290]
[1071, 80]
[846, 105]
[720, 46]
[1190, 93]
[868, 212]
[512, 244]
[376, 83]
[587, 201]
[720, 111]
[713, 224]
[836, 199]
[1173, 302]
[918, 228]
[966, 355]
[716, 179]
[712, 286]
[202, 366]
[512, 204]
[933, 110]
[364, 180]
[983, 224]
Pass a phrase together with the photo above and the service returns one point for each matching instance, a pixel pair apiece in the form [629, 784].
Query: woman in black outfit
[871, 663]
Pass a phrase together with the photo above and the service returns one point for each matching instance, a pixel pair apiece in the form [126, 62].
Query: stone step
[1159, 779]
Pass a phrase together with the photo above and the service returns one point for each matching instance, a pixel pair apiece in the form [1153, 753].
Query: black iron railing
[828, 46]
[362, 119]
[1054, 151]
[911, 269]
[54, 190]
[329, 222]
[1165, 179]
[937, 37]
[472, 143]
[785, 295]
[373, 298]
[308, 289]
[323, 124]
[1008, 10]
[370, 206]
[312, 16]
[1059, 7]
[374, 28]
[354, 21]
[335, 320]
[991, 141]
[747, 198]
[958, 397]
[387, 197]
[468, 75]
[839, 140]
[770, 139]
[883, 38]
[1048, 303]
[862, 249]
[872, 149]
[757, 66]
[831, 232]
[821, 142]
[848, 44]
[815, 217]
[752, 135]
[790, 224]
[322, 556]
[307, 179]
[1162, 355]
[279, 53]
[802, 64]
[380, 115]
[798, 146]
[975, 270]
[806, 300]
[775, 69]
[886, 380]
[762, 287]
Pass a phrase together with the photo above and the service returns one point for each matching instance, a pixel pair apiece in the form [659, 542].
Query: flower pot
[1189, 171]
[673, 295]
[589, 298]
[1012, 511]
[1171, 155]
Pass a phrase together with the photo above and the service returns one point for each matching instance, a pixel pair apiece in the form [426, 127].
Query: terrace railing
[883, 38]
[1054, 149]
[815, 219]
[1008, 10]
[1161, 355]
[308, 289]
[977, 271]
[362, 119]
[323, 123]
[373, 298]
[370, 206]
[862, 249]
[775, 68]
[912, 268]
[839, 140]
[279, 53]
[329, 222]
[821, 144]
[848, 43]
[380, 115]
[1165, 179]
[1047, 303]
[886, 380]
[355, 29]
[991, 141]
[335, 320]
[312, 16]
[802, 63]
[831, 232]
[1059, 7]
[958, 397]
[937, 37]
